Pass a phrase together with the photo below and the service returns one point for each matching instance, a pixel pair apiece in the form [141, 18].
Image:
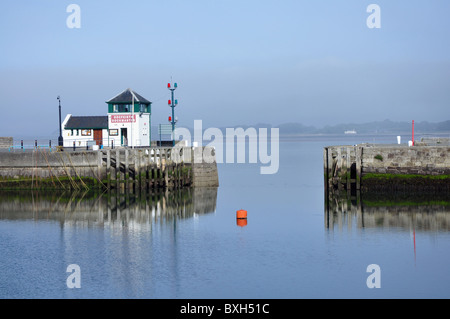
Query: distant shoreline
[296, 129]
[293, 135]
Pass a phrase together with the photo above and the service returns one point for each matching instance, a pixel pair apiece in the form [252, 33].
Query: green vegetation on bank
[388, 176]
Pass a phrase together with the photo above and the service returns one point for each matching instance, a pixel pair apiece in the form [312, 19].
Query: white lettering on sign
[128, 118]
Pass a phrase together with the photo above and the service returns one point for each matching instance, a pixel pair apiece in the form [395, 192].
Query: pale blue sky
[236, 62]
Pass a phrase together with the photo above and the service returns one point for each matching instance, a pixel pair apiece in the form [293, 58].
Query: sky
[235, 62]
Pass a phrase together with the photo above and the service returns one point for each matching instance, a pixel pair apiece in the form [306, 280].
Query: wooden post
[147, 169]
[99, 168]
[137, 171]
[325, 166]
[178, 175]
[108, 168]
[166, 176]
[127, 172]
[175, 176]
[348, 173]
[154, 175]
[150, 177]
[117, 174]
[339, 168]
[325, 175]
[358, 151]
[182, 177]
[330, 165]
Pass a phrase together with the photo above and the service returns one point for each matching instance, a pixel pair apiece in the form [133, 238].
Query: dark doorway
[123, 137]
[98, 137]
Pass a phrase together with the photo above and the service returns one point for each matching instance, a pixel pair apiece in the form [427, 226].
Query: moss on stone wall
[405, 177]
[405, 183]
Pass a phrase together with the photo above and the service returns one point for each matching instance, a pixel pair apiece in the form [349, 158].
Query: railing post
[108, 168]
[358, 154]
[127, 172]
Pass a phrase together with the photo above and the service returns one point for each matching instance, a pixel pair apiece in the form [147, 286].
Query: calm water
[188, 245]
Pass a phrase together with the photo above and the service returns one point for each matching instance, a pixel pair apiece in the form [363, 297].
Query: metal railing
[31, 145]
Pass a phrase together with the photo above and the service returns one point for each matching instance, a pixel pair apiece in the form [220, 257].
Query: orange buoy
[241, 222]
[241, 214]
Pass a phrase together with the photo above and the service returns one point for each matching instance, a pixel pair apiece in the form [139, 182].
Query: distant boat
[350, 132]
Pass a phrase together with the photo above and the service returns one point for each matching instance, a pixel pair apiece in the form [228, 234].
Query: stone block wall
[204, 166]
[23, 167]
[387, 168]
[205, 175]
[422, 160]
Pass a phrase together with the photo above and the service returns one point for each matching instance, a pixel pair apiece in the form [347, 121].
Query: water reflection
[87, 209]
[388, 211]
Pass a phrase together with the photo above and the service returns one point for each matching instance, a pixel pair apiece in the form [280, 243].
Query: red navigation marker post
[172, 103]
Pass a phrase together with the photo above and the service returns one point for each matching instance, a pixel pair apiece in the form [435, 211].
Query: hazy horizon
[348, 126]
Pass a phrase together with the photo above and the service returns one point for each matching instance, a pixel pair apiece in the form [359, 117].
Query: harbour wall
[6, 142]
[120, 168]
[372, 167]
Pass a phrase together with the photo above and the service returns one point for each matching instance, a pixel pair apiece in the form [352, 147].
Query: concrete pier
[123, 169]
[385, 168]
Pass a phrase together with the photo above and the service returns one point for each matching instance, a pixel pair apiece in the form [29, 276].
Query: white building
[128, 123]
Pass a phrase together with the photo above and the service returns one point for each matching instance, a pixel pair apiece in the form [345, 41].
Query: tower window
[124, 108]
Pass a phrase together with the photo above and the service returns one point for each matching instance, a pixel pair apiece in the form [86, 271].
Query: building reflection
[117, 211]
[408, 212]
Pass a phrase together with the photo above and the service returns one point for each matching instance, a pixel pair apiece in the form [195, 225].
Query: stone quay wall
[123, 168]
[422, 160]
[372, 167]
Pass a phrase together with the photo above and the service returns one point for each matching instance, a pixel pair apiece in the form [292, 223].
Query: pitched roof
[127, 97]
[87, 122]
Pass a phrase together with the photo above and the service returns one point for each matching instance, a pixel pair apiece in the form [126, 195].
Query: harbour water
[188, 244]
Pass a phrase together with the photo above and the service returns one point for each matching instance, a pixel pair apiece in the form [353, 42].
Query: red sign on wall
[123, 118]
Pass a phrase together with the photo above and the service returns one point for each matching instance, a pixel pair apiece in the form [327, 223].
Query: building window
[144, 108]
[124, 108]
